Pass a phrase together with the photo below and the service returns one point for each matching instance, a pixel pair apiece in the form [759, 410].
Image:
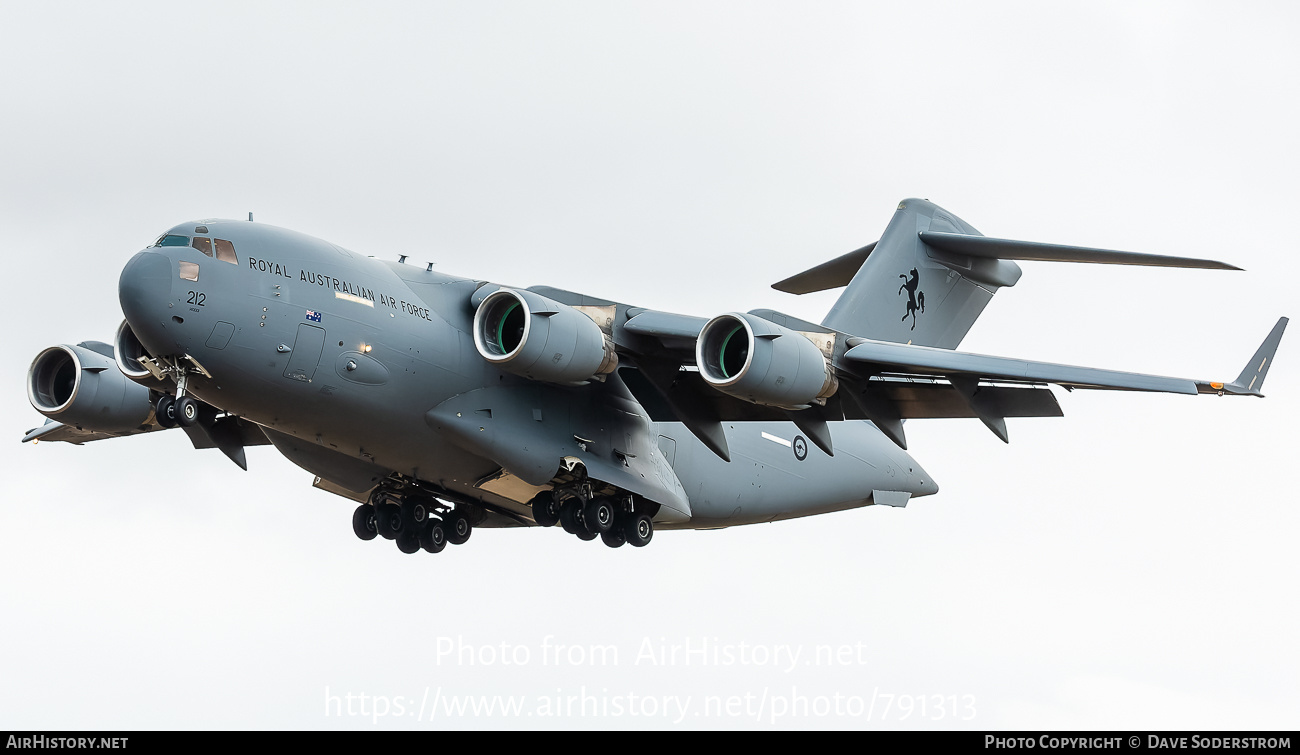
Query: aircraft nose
[145, 285]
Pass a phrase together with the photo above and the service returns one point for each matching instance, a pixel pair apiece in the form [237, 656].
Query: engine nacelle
[127, 351]
[530, 335]
[84, 388]
[763, 363]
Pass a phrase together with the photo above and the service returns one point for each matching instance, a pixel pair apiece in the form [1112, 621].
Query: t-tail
[931, 274]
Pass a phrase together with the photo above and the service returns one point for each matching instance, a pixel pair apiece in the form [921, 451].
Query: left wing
[880, 381]
[969, 374]
[883, 356]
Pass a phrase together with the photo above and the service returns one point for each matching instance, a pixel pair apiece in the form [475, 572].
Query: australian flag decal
[313, 316]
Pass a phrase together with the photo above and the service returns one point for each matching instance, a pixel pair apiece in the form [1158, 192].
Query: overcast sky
[1130, 565]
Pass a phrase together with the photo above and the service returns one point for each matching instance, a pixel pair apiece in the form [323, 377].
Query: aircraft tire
[415, 514]
[433, 538]
[599, 515]
[165, 412]
[569, 516]
[408, 542]
[458, 528]
[363, 522]
[546, 509]
[388, 518]
[638, 529]
[614, 537]
[586, 535]
[187, 411]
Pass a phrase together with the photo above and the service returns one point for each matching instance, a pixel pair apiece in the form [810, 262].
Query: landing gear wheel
[638, 530]
[599, 515]
[586, 535]
[570, 519]
[165, 411]
[546, 510]
[388, 519]
[433, 539]
[458, 528]
[414, 514]
[363, 522]
[187, 411]
[614, 537]
[408, 542]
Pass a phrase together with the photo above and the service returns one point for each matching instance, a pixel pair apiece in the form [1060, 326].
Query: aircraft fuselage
[359, 368]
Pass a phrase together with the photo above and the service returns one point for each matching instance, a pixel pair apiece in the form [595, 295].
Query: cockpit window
[203, 245]
[189, 271]
[173, 240]
[226, 251]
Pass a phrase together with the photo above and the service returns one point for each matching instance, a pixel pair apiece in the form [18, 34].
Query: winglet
[1251, 380]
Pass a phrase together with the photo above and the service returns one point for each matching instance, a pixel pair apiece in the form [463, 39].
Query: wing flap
[882, 356]
[931, 399]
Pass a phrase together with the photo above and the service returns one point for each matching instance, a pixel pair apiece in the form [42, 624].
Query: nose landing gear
[183, 409]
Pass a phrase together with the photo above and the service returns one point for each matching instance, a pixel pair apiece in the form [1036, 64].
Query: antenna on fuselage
[429, 268]
[401, 259]
[250, 217]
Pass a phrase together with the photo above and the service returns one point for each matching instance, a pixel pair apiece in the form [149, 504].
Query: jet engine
[763, 363]
[527, 334]
[127, 351]
[82, 386]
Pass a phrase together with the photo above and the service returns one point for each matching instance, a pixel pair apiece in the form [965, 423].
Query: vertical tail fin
[907, 292]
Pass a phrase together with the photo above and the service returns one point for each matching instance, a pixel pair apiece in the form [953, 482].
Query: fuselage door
[306, 353]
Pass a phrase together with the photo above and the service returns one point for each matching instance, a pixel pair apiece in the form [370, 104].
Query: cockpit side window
[226, 251]
[203, 245]
[173, 240]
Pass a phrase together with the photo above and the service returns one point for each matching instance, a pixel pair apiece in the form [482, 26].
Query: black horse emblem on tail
[915, 299]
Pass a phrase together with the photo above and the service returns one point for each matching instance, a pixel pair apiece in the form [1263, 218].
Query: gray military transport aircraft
[442, 404]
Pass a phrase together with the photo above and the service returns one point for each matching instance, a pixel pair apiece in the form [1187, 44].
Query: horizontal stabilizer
[834, 274]
[1006, 249]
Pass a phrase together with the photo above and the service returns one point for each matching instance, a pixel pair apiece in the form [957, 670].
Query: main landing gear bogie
[413, 522]
[588, 516]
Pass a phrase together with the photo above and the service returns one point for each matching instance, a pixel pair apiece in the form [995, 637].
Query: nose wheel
[165, 411]
[185, 411]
